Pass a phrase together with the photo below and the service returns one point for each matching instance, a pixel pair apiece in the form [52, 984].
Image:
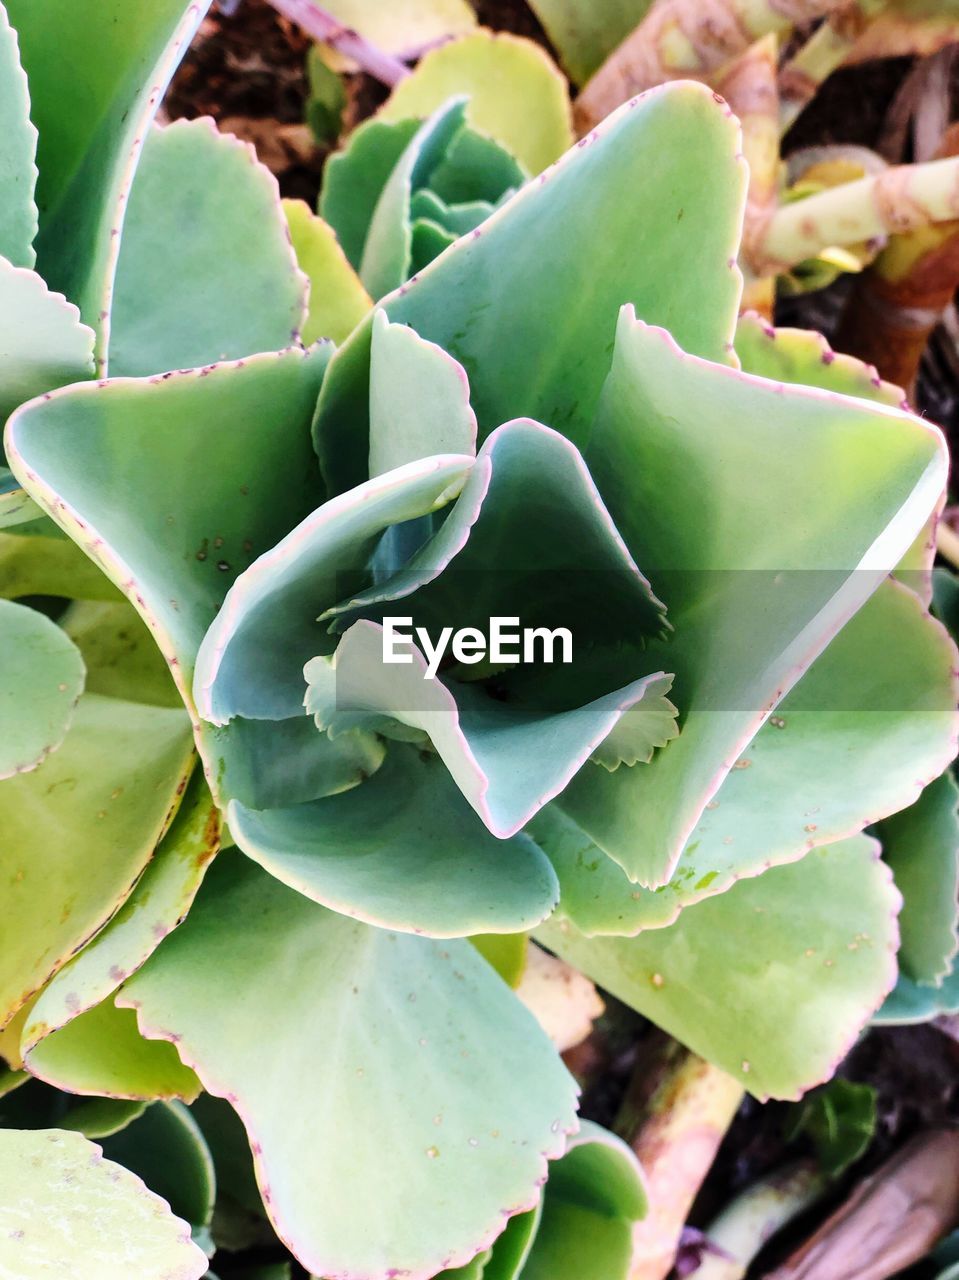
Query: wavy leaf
[437, 1073]
[229, 288]
[594, 1195]
[338, 301]
[419, 399]
[674, 437]
[403, 851]
[870, 721]
[533, 322]
[67, 1211]
[516, 93]
[101, 1051]
[79, 830]
[921, 844]
[272, 609]
[42, 345]
[122, 55]
[386, 250]
[166, 1148]
[18, 150]
[771, 981]
[40, 683]
[200, 505]
[158, 902]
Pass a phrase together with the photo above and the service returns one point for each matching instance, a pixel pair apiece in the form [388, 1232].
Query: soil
[248, 71]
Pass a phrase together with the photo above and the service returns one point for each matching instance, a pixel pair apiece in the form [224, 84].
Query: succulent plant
[559, 420]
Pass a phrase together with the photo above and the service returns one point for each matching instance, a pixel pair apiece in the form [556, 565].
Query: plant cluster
[251, 868]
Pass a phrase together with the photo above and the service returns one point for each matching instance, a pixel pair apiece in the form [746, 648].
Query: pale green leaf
[65, 1211]
[771, 981]
[442, 1097]
[110, 61]
[206, 270]
[18, 149]
[78, 831]
[921, 844]
[338, 301]
[528, 302]
[516, 93]
[41, 679]
[756, 586]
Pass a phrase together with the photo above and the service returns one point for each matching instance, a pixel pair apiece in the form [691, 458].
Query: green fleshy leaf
[646, 727]
[40, 1107]
[429, 241]
[18, 150]
[338, 301]
[673, 440]
[228, 288]
[840, 1119]
[159, 901]
[272, 609]
[594, 1195]
[403, 851]
[921, 844]
[326, 104]
[42, 344]
[419, 400]
[476, 168]
[79, 830]
[102, 1117]
[33, 564]
[507, 762]
[240, 1218]
[101, 1051]
[851, 743]
[909, 1003]
[529, 305]
[771, 981]
[455, 218]
[806, 358]
[64, 1210]
[506, 952]
[200, 505]
[166, 1148]
[386, 250]
[585, 32]
[40, 683]
[121, 56]
[354, 178]
[516, 93]
[412, 1114]
[404, 26]
[120, 655]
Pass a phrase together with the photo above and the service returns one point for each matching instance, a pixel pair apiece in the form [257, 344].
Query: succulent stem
[899, 301]
[823, 53]
[898, 200]
[675, 1115]
[681, 39]
[745, 1225]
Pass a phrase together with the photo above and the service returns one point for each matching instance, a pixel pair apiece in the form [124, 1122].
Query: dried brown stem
[687, 39]
[890, 1221]
[749, 86]
[898, 302]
